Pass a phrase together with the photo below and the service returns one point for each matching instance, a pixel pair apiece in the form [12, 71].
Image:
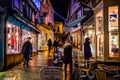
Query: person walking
[27, 51]
[87, 49]
[55, 45]
[49, 45]
[67, 56]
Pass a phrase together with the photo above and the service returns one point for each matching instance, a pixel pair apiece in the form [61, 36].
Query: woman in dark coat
[87, 49]
[67, 56]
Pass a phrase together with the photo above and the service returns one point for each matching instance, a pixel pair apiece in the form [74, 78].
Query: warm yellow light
[9, 25]
[90, 26]
[98, 32]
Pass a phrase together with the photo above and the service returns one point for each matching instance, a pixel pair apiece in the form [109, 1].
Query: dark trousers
[26, 60]
[49, 49]
[66, 64]
[26, 63]
[55, 49]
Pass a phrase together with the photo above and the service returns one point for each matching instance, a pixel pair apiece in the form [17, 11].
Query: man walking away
[49, 45]
[55, 45]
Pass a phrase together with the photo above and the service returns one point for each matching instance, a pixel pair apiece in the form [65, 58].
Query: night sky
[61, 7]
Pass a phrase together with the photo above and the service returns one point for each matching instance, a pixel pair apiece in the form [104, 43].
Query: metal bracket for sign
[50, 73]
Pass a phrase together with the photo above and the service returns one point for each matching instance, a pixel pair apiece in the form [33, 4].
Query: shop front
[75, 34]
[107, 30]
[42, 41]
[16, 34]
[43, 36]
[27, 32]
[89, 32]
[76, 38]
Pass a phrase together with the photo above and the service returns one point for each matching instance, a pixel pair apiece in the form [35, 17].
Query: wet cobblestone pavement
[33, 73]
[20, 73]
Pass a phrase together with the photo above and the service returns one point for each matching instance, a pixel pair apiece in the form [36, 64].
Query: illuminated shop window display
[14, 35]
[34, 41]
[100, 34]
[25, 34]
[40, 41]
[113, 31]
[91, 34]
[78, 41]
[75, 39]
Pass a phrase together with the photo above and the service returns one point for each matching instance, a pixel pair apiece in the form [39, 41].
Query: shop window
[113, 31]
[25, 34]
[17, 3]
[14, 38]
[100, 34]
[91, 34]
[34, 41]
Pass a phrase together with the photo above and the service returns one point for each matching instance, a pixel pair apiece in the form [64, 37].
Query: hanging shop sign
[87, 10]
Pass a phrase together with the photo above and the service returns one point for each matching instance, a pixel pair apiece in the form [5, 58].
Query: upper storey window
[17, 3]
[18, 6]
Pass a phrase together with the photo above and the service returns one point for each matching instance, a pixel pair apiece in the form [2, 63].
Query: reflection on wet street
[33, 73]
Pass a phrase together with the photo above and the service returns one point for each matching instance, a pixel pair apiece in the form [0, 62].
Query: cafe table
[113, 70]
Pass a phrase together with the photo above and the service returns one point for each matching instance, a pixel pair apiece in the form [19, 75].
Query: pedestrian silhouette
[67, 56]
[49, 45]
[55, 45]
[87, 49]
[27, 51]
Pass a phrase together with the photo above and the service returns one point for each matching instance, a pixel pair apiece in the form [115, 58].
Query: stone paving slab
[20, 73]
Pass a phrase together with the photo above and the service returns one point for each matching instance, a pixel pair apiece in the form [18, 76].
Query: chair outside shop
[100, 74]
[92, 66]
[113, 71]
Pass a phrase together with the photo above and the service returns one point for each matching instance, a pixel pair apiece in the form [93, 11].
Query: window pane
[100, 34]
[113, 18]
[113, 43]
[14, 38]
[17, 3]
[113, 31]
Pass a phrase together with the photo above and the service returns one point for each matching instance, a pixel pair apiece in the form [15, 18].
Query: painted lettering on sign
[51, 73]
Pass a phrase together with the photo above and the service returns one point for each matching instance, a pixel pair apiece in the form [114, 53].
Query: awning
[75, 22]
[89, 21]
[25, 25]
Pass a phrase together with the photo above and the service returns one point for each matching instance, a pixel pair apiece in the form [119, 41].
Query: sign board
[51, 73]
[87, 10]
